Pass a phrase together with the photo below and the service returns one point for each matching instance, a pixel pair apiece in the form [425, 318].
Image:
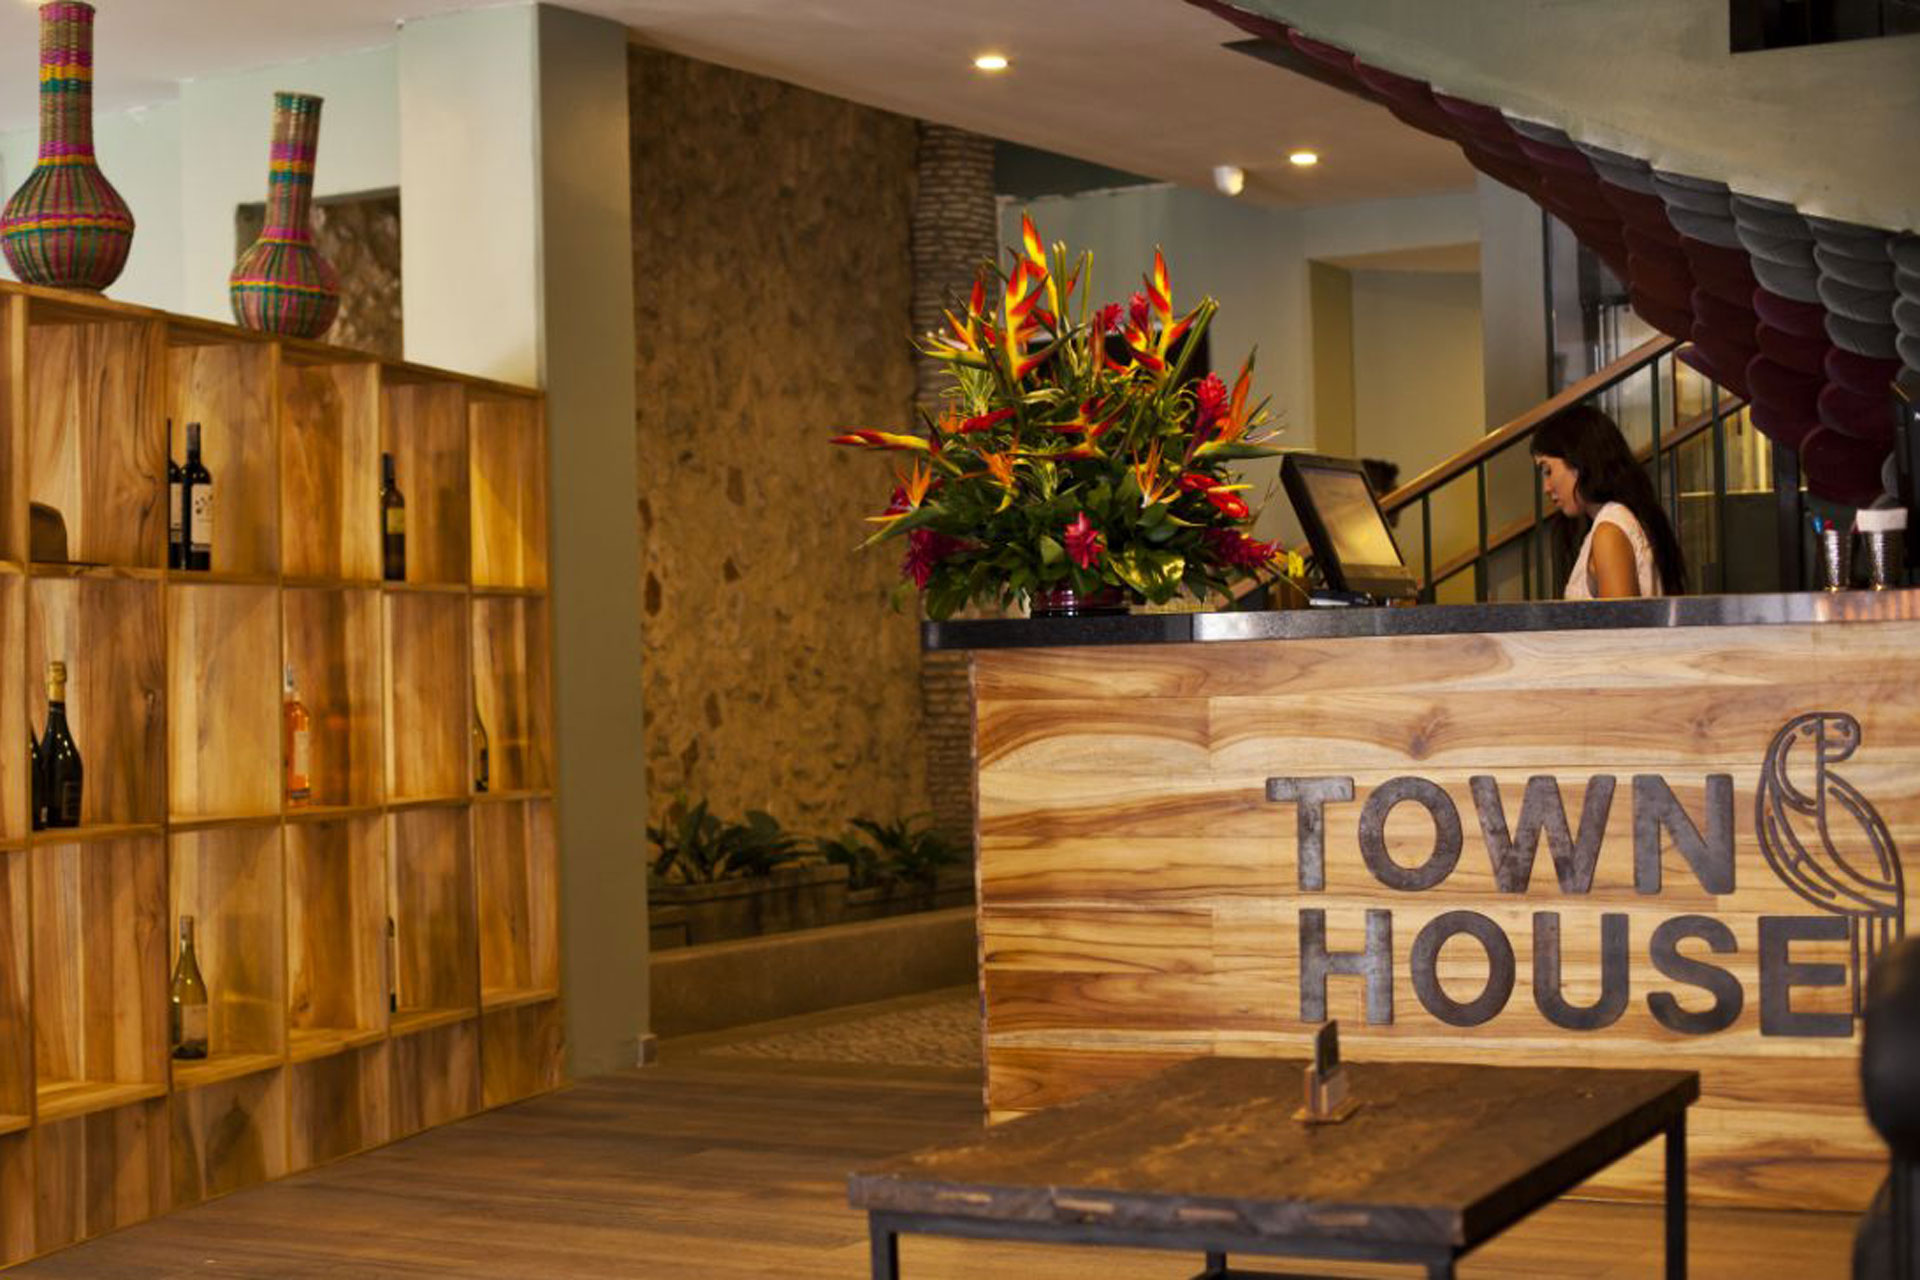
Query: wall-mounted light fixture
[1229, 179]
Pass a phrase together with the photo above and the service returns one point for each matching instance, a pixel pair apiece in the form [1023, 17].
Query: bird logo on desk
[1824, 839]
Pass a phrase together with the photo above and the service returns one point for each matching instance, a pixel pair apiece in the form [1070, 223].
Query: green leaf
[1051, 552]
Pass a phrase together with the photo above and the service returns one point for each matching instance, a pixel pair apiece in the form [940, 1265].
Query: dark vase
[281, 284]
[1066, 602]
[66, 226]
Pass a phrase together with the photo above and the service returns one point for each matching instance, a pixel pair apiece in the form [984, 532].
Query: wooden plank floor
[708, 1166]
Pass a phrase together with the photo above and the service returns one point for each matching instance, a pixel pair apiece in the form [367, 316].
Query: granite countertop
[1419, 620]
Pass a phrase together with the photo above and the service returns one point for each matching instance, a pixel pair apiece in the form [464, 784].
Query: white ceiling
[1139, 85]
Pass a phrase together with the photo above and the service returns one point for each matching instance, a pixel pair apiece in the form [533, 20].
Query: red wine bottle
[176, 518]
[196, 499]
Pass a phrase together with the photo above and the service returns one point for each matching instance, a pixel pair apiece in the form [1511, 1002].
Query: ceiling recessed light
[990, 62]
[1303, 159]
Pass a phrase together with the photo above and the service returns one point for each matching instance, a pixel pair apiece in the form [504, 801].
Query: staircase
[1811, 324]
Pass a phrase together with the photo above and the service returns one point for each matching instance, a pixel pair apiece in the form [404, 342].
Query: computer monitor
[1351, 540]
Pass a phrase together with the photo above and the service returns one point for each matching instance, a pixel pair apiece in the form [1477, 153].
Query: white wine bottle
[188, 1000]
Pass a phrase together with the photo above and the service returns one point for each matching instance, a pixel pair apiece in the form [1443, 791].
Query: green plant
[1071, 450]
[906, 849]
[695, 846]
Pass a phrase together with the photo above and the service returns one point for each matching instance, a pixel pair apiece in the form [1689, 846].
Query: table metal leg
[1677, 1198]
[883, 1249]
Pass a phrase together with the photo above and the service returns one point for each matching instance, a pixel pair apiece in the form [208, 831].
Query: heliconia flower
[1210, 401]
[1227, 501]
[1030, 241]
[1160, 289]
[1023, 294]
[985, 421]
[1238, 417]
[1107, 319]
[925, 550]
[883, 440]
[1139, 311]
[1195, 482]
[1084, 542]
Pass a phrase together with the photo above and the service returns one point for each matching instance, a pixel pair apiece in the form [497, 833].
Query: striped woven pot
[281, 283]
[66, 226]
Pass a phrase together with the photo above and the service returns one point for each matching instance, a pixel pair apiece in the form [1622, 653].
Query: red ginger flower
[1107, 318]
[1238, 549]
[1138, 311]
[925, 550]
[1084, 542]
[1210, 400]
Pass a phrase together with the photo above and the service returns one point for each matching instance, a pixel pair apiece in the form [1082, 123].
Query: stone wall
[772, 293]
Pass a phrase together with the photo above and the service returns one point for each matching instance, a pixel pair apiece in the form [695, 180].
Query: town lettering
[1698, 997]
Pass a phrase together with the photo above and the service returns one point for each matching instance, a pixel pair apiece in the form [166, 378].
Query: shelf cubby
[436, 1076]
[336, 936]
[15, 760]
[108, 631]
[223, 669]
[428, 734]
[424, 427]
[522, 1051]
[97, 1172]
[332, 641]
[16, 1028]
[227, 1135]
[13, 438]
[227, 387]
[229, 881]
[99, 975]
[338, 1105]
[430, 877]
[518, 882]
[330, 472]
[511, 690]
[96, 437]
[16, 1196]
[509, 490]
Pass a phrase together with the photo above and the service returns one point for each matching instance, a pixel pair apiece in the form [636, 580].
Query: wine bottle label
[396, 520]
[190, 1027]
[200, 528]
[66, 805]
[175, 521]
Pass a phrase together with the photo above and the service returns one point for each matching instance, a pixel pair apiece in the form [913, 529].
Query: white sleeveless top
[1644, 571]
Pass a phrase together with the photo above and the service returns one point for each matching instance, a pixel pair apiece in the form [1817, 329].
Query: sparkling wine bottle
[59, 756]
[187, 1001]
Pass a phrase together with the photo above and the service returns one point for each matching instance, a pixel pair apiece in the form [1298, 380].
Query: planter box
[792, 898]
[952, 888]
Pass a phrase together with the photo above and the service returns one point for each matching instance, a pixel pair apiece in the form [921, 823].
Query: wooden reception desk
[1631, 833]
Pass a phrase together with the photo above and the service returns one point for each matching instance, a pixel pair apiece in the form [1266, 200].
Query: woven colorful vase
[66, 226]
[281, 283]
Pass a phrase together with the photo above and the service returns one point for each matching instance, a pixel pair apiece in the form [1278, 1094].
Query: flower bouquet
[1073, 450]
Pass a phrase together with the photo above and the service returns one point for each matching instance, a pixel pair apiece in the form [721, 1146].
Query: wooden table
[1206, 1156]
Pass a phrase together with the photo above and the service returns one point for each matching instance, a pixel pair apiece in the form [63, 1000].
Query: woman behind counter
[1589, 472]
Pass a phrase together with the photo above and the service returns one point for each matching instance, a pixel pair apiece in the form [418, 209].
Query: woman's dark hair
[1588, 441]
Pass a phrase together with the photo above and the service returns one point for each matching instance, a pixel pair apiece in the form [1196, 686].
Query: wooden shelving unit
[325, 1037]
